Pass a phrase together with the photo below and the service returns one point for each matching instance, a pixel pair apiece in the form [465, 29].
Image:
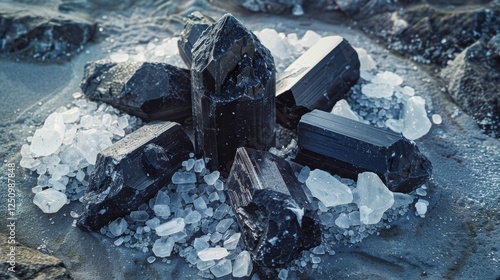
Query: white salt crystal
[388, 78]
[215, 237]
[211, 178]
[76, 95]
[283, 274]
[212, 254]
[223, 225]
[377, 90]
[86, 121]
[415, 121]
[190, 164]
[36, 189]
[50, 200]
[219, 185]
[436, 119]
[200, 244]
[116, 130]
[202, 266]
[320, 250]
[200, 204]
[118, 227]
[163, 247]
[55, 122]
[122, 122]
[199, 165]
[366, 76]
[401, 200]
[366, 61]
[170, 227]
[139, 216]
[221, 211]
[80, 175]
[395, 125]
[374, 198]
[421, 192]
[421, 208]
[315, 259]
[183, 178]
[91, 142]
[232, 242]
[309, 39]
[71, 115]
[29, 162]
[327, 189]
[271, 40]
[343, 109]
[151, 259]
[343, 221]
[243, 265]
[192, 217]
[222, 268]
[45, 142]
[119, 57]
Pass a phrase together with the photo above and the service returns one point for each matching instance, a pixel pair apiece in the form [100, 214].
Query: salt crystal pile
[64, 150]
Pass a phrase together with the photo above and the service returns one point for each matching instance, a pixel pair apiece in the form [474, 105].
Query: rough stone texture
[473, 82]
[346, 147]
[30, 264]
[132, 171]
[234, 84]
[196, 23]
[40, 33]
[151, 91]
[271, 208]
[316, 80]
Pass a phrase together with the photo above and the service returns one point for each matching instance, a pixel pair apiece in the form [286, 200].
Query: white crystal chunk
[416, 122]
[343, 109]
[163, 247]
[50, 200]
[242, 265]
[374, 198]
[213, 254]
[174, 226]
[327, 189]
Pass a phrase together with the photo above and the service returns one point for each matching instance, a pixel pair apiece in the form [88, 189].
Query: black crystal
[196, 23]
[266, 196]
[316, 80]
[234, 85]
[346, 147]
[151, 91]
[131, 172]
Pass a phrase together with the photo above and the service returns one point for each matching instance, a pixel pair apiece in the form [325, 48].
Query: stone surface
[346, 147]
[316, 80]
[271, 208]
[29, 263]
[233, 77]
[151, 91]
[132, 171]
[196, 23]
[41, 33]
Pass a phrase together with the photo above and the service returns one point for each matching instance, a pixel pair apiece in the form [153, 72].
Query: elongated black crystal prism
[234, 86]
[271, 208]
[316, 80]
[132, 171]
[346, 147]
[151, 91]
[196, 23]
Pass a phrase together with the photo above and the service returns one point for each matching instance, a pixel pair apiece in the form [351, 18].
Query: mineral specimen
[271, 208]
[233, 79]
[373, 198]
[346, 147]
[195, 25]
[151, 91]
[316, 80]
[132, 171]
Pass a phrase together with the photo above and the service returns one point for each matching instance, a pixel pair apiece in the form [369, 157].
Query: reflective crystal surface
[347, 147]
[233, 77]
[316, 80]
[196, 23]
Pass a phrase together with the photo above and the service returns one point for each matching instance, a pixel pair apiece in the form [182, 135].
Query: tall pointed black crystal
[233, 77]
[316, 80]
[271, 208]
[132, 171]
[151, 91]
[346, 147]
[196, 23]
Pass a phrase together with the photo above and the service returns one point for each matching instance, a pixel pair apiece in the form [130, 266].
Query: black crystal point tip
[233, 88]
[316, 80]
[151, 91]
[132, 171]
[271, 208]
[346, 147]
[196, 23]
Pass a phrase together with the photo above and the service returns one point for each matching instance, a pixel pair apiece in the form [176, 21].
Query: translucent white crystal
[421, 192]
[219, 185]
[200, 204]
[327, 189]
[45, 142]
[395, 125]
[55, 122]
[421, 207]
[170, 227]
[118, 227]
[180, 177]
[50, 200]
[271, 40]
[343, 109]
[436, 119]
[212, 254]
[151, 259]
[221, 211]
[119, 57]
[343, 221]
[415, 121]
[71, 115]
[201, 265]
[388, 78]
[29, 162]
[297, 10]
[377, 90]
[163, 247]
[222, 268]
[243, 265]
[139, 216]
[211, 178]
[283, 274]
[374, 198]
[192, 217]
[223, 225]
[91, 142]
[199, 165]
[200, 244]
[366, 61]
[309, 39]
[232, 242]
[401, 200]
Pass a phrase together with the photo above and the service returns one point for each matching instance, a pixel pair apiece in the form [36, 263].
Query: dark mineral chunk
[316, 80]
[151, 91]
[234, 86]
[346, 147]
[41, 33]
[131, 172]
[271, 208]
[195, 25]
